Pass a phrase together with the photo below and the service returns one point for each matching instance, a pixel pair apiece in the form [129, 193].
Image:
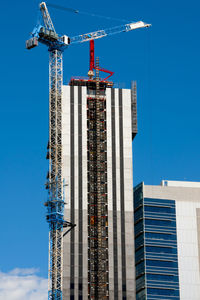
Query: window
[140, 268]
[139, 255]
[159, 202]
[161, 263]
[140, 282]
[138, 214]
[138, 200]
[141, 295]
[156, 249]
[162, 277]
[138, 196]
[160, 236]
[165, 223]
[160, 209]
[156, 261]
[138, 227]
[139, 241]
[167, 292]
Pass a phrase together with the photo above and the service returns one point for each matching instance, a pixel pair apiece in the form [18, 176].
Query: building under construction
[89, 182]
[99, 124]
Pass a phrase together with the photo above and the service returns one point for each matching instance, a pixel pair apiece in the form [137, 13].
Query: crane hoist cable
[69, 9]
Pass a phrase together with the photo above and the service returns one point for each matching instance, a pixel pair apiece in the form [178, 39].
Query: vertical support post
[92, 66]
[134, 108]
[91, 55]
[55, 203]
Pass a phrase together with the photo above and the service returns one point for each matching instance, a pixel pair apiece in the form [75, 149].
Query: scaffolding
[134, 108]
[98, 282]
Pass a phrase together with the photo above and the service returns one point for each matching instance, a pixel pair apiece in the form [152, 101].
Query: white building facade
[117, 227]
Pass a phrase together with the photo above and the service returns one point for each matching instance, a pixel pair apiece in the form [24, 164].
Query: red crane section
[91, 55]
[92, 64]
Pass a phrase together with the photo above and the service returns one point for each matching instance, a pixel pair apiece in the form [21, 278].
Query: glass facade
[156, 257]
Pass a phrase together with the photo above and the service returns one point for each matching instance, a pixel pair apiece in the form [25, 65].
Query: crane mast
[55, 204]
[55, 215]
[47, 35]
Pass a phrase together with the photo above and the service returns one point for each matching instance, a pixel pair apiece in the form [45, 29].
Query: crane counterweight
[31, 43]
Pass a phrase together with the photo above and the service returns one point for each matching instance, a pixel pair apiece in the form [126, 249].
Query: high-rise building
[98, 125]
[167, 240]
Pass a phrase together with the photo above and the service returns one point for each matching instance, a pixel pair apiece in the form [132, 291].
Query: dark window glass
[140, 269]
[140, 282]
[138, 198]
[139, 227]
[161, 263]
[139, 241]
[160, 236]
[157, 265]
[167, 292]
[139, 255]
[164, 223]
[157, 249]
[138, 214]
[159, 277]
[160, 209]
[141, 295]
[151, 201]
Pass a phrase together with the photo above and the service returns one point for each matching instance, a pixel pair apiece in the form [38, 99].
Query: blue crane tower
[56, 44]
[47, 35]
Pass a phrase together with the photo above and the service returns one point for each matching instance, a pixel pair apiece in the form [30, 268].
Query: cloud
[23, 284]
[27, 271]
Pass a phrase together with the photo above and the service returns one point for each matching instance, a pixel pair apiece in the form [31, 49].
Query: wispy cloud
[22, 284]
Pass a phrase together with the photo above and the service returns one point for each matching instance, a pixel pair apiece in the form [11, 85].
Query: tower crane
[56, 44]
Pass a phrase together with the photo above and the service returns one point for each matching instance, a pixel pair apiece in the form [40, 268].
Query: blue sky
[163, 59]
